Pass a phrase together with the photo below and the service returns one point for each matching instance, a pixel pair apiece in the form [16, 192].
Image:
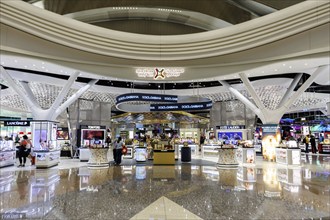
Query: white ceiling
[302, 48]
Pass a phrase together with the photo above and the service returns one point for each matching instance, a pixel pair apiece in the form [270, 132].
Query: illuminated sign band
[229, 127]
[159, 72]
[171, 103]
[146, 97]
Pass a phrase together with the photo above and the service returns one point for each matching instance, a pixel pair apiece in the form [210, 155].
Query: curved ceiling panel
[255, 33]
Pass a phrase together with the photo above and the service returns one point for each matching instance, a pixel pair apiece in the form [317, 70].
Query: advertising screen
[62, 134]
[230, 137]
[93, 134]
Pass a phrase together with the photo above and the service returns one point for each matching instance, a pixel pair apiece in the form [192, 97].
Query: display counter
[246, 155]
[98, 157]
[164, 157]
[210, 150]
[324, 148]
[141, 154]
[288, 156]
[130, 152]
[46, 159]
[84, 154]
[227, 157]
[7, 158]
[7, 153]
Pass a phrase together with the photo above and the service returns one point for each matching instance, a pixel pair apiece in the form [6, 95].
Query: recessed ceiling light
[43, 67]
[262, 71]
[290, 67]
[284, 64]
[42, 63]
[275, 70]
[15, 61]
[33, 65]
[306, 64]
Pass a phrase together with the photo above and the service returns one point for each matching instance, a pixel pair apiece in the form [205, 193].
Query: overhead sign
[17, 123]
[271, 128]
[159, 72]
[230, 127]
[146, 97]
[181, 106]
[170, 102]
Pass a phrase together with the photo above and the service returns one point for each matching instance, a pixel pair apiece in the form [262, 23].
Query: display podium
[98, 157]
[288, 156]
[164, 157]
[185, 154]
[227, 157]
[246, 155]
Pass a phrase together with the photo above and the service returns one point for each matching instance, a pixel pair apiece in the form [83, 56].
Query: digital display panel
[93, 134]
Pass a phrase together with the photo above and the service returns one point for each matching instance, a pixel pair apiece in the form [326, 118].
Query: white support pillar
[243, 99]
[17, 89]
[73, 98]
[64, 91]
[302, 89]
[293, 84]
[29, 93]
[251, 91]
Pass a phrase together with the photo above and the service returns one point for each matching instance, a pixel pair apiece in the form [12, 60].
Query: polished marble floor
[197, 190]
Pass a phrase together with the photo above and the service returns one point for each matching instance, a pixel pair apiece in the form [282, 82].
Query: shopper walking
[313, 144]
[306, 141]
[24, 150]
[118, 150]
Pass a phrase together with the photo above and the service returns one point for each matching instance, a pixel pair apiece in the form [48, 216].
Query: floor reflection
[265, 191]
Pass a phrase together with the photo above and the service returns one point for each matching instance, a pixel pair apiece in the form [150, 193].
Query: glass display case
[44, 141]
[141, 154]
[210, 150]
[288, 156]
[7, 153]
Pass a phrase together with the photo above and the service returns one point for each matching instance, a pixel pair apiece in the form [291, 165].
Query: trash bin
[185, 154]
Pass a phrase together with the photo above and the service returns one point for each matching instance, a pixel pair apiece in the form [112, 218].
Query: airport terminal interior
[161, 109]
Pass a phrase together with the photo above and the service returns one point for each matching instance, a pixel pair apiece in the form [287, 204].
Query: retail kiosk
[91, 137]
[288, 153]
[10, 135]
[45, 144]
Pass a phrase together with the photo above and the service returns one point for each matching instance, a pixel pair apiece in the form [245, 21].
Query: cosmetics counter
[246, 155]
[7, 153]
[44, 143]
[288, 153]
[324, 147]
[164, 157]
[210, 149]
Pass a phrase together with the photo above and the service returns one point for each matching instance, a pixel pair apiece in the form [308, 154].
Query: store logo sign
[17, 123]
[159, 72]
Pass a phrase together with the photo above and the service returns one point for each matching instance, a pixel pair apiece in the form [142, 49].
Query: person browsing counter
[118, 146]
[24, 150]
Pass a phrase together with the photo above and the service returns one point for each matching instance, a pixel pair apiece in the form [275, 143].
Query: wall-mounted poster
[62, 133]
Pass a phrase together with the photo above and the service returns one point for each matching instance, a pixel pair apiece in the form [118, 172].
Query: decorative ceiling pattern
[46, 94]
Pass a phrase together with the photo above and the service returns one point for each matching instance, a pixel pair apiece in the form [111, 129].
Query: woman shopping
[118, 146]
[24, 150]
